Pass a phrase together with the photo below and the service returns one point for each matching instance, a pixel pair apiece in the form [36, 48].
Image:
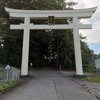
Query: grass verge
[7, 86]
[93, 79]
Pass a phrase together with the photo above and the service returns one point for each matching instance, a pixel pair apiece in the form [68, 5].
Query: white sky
[93, 35]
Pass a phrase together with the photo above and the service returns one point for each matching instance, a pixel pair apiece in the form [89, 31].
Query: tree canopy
[53, 47]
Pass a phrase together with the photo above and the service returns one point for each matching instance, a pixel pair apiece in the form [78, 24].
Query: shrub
[9, 85]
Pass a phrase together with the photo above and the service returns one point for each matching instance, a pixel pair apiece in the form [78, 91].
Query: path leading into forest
[48, 84]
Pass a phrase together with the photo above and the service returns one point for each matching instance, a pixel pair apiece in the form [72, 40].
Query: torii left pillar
[25, 52]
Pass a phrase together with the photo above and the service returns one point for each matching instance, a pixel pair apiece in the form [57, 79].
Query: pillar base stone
[25, 76]
[79, 76]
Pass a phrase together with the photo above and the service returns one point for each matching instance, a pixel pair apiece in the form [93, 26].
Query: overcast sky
[93, 35]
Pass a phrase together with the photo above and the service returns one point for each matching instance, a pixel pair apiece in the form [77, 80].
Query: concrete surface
[48, 84]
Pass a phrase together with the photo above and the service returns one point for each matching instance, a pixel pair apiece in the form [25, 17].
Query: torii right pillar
[77, 49]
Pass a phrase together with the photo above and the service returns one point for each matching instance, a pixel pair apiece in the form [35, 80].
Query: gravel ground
[91, 87]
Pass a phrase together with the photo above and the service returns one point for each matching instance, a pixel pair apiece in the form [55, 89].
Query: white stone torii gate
[58, 14]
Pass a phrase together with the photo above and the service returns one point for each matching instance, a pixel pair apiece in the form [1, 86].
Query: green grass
[7, 86]
[93, 79]
[1, 71]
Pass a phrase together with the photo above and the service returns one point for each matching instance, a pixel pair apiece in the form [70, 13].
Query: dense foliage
[47, 47]
[7, 86]
[96, 56]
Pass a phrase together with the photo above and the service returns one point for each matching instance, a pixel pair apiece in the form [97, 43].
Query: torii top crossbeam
[58, 14]
[81, 13]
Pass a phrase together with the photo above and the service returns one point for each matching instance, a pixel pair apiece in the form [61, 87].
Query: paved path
[48, 85]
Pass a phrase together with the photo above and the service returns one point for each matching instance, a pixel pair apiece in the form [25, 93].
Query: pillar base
[79, 76]
[25, 76]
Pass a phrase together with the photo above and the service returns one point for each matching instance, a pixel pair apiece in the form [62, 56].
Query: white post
[25, 52]
[78, 58]
[7, 76]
